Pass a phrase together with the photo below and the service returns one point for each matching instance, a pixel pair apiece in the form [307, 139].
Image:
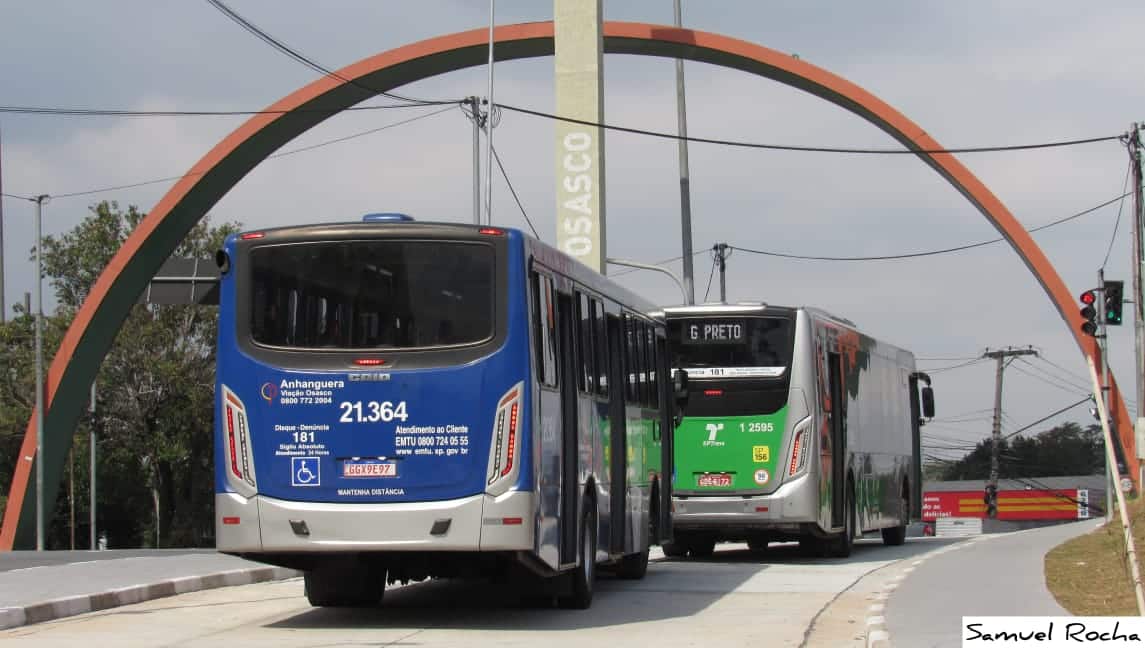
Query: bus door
[838, 440]
[569, 452]
[664, 433]
[618, 451]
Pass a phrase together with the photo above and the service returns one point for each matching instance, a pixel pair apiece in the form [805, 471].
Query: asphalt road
[733, 599]
[1000, 575]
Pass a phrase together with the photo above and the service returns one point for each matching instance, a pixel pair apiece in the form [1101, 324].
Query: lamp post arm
[654, 268]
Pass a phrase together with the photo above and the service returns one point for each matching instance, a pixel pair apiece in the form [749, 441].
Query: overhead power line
[310, 63]
[117, 112]
[1046, 418]
[950, 359]
[1054, 379]
[415, 102]
[296, 151]
[1044, 381]
[957, 366]
[1041, 356]
[514, 192]
[807, 149]
[710, 275]
[912, 255]
[1117, 223]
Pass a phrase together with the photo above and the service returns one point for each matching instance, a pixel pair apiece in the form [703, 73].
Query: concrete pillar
[580, 149]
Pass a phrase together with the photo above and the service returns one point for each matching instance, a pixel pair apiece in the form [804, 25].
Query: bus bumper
[476, 523]
[795, 502]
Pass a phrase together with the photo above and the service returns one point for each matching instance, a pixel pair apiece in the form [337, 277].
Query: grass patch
[1089, 575]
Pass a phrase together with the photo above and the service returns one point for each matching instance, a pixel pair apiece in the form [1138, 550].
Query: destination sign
[720, 331]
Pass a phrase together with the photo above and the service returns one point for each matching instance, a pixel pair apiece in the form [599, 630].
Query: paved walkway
[998, 575]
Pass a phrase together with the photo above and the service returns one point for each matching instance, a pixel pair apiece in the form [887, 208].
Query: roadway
[995, 575]
[732, 599]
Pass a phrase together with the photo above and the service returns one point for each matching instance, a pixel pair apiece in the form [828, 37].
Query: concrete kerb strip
[12, 617]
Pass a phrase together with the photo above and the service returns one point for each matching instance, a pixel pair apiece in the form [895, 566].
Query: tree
[1067, 449]
[155, 394]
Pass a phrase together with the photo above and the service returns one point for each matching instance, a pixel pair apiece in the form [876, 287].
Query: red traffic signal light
[1089, 313]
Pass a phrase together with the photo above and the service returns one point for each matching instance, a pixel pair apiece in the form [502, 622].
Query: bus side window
[544, 329]
[649, 373]
[584, 353]
[653, 375]
[641, 363]
[600, 338]
[632, 391]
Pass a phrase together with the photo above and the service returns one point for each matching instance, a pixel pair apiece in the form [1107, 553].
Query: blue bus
[400, 400]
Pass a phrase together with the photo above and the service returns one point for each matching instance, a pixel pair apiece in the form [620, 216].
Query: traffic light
[1113, 298]
[990, 498]
[1089, 313]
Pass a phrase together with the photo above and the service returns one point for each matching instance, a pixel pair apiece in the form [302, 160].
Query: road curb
[12, 617]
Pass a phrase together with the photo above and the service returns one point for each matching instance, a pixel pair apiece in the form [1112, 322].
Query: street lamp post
[91, 474]
[40, 530]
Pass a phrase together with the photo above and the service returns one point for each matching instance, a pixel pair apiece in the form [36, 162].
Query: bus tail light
[504, 449]
[801, 438]
[240, 449]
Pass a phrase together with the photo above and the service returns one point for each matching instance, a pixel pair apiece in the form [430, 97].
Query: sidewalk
[994, 575]
[52, 591]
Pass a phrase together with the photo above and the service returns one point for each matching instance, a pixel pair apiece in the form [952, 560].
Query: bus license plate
[720, 479]
[369, 469]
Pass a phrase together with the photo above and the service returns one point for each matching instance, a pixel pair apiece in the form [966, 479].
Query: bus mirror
[928, 402]
[680, 394]
[680, 385]
[223, 260]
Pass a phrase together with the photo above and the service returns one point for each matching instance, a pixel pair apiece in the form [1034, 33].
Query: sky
[971, 74]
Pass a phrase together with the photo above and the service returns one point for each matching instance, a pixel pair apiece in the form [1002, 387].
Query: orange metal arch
[93, 330]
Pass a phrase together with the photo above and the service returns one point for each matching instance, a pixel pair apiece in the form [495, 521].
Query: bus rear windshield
[749, 343]
[379, 294]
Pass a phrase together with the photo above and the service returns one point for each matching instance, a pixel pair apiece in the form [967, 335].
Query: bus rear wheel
[841, 545]
[757, 545]
[702, 547]
[584, 577]
[355, 586]
[633, 566]
[896, 535]
[674, 549]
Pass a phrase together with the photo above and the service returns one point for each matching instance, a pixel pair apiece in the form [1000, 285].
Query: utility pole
[475, 108]
[720, 253]
[72, 498]
[41, 530]
[1003, 357]
[1136, 161]
[91, 474]
[685, 180]
[489, 123]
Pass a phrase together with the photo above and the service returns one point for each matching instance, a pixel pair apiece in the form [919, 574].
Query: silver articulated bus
[797, 426]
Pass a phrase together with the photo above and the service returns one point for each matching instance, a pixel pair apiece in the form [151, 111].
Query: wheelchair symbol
[305, 471]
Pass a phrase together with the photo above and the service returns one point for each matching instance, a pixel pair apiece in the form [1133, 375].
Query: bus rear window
[745, 342]
[377, 294]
